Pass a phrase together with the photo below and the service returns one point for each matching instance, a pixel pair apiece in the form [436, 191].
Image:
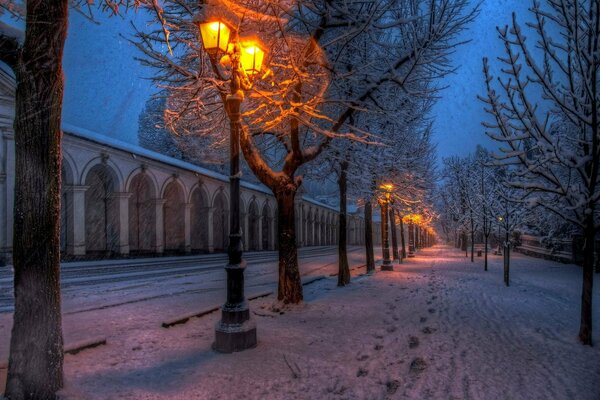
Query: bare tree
[35, 369]
[553, 142]
[295, 107]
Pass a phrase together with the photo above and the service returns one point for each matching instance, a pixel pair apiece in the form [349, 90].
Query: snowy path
[439, 327]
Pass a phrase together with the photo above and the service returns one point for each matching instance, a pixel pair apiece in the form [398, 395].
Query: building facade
[122, 200]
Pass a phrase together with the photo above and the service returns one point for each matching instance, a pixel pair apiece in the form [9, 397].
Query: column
[7, 178]
[122, 205]
[187, 221]
[159, 245]
[259, 223]
[76, 220]
[210, 241]
[298, 214]
[245, 235]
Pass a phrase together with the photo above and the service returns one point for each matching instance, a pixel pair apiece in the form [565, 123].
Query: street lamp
[236, 331]
[387, 263]
[500, 219]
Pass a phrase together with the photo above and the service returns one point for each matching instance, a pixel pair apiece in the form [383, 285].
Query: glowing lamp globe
[215, 36]
[388, 187]
[252, 57]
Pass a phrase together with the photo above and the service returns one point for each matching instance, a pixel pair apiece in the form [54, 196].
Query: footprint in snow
[427, 330]
[392, 386]
[362, 372]
[418, 365]
[413, 342]
[431, 310]
[423, 320]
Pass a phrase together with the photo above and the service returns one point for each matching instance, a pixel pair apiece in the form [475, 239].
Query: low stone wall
[560, 250]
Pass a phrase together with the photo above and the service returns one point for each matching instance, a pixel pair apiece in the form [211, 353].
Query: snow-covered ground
[438, 327]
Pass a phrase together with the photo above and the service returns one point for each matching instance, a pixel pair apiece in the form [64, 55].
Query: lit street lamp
[387, 263]
[235, 331]
[499, 251]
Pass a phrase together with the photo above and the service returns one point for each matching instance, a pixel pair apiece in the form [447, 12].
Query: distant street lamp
[236, 331]
[500, 219]
[387, 190]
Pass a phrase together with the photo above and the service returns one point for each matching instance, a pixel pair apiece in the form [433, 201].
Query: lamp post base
[387, 266]
[235, 331]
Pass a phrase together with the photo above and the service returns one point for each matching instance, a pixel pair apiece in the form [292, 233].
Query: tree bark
[507, 259]
[402, 238]
[485, 249]
[472, 240]
[344, 269]
[35, 369]
[369, 237]
[585, 327]
[289, 288]
[382, 233]
[394, 235]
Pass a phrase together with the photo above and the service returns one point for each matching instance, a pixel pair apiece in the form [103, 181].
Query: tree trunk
[344, 269]
[485, 249]
[382, 233]
[369, 237]
[402, 238]
[289, 289]
[416, 236]
[35, 369]
[585, 327]
[394, 235]
[472, 241]
[507, 263]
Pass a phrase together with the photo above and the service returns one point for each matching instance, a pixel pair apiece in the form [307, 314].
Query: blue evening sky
[458, 114]
[105, 90]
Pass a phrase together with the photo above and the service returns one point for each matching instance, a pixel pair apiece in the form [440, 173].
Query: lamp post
[236, 331]
[387, 263]
[500, 219]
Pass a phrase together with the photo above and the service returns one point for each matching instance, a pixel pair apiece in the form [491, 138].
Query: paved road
[108, 283]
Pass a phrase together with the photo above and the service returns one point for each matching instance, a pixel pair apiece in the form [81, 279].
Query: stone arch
[101, 209]
[151, 178]
[69, 169]
[174, 180]
[220, 221]
[142, 213]
[254, 242]
[115, 172]
[199, 219]
[267, 228]
[174, 216]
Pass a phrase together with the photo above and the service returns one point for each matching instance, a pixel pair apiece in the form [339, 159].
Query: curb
[73, 348]
[182, 319]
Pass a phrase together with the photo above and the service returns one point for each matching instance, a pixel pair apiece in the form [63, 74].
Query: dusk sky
[106, 90]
